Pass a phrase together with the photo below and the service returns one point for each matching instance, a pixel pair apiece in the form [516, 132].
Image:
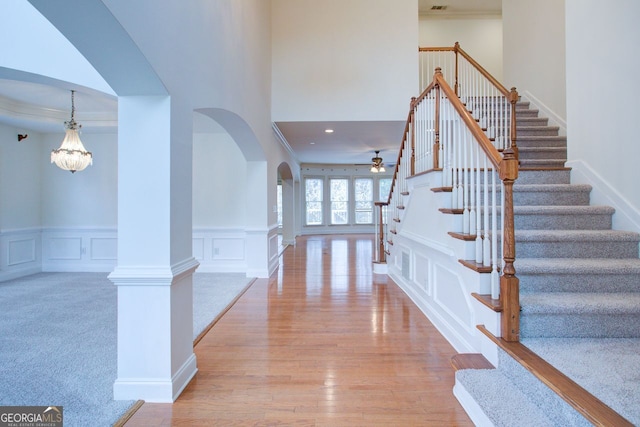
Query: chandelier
[71, 155]
[377, 165]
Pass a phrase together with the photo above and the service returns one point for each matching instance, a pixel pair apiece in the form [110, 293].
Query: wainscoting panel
[64, 248]
[450, 296]
[79, 249]
[434, 279]
[422, 273]
[220, 250]
[198, 248]
[19, 253]
[104, 249]
[228, 248]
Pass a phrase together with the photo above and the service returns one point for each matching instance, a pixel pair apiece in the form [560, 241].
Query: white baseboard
[16, 273]
[554, 118]
[156, 390]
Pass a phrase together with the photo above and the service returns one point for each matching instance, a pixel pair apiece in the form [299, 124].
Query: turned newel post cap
[513, 95]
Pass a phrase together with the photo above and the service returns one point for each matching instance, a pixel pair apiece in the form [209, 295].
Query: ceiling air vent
[438, 7]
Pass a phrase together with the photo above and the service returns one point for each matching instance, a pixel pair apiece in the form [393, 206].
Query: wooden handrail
[505, 164]
[402, 144]
[511, 95]
[482, 71]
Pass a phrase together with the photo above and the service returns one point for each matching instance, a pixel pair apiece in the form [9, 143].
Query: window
[313, 189]
[363, 194]
[384, 187]
[339, 200]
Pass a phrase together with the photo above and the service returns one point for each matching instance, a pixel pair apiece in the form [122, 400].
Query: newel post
[413, 135]
[456, 47]
[509, 283]
[436, 143]
[382, 256]
[513, 99]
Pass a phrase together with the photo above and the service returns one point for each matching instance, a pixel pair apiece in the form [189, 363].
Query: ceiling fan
[376, 164]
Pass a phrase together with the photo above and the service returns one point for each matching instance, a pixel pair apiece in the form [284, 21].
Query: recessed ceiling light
[312, 143]
[328, 130]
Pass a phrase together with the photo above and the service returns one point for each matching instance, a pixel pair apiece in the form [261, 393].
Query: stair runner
[579, 293]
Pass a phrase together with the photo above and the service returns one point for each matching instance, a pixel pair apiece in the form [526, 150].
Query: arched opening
[287, 206]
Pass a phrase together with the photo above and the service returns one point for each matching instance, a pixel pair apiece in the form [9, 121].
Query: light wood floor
[323, 342]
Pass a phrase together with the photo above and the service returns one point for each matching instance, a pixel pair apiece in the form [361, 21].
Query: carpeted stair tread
[501, 401]
[550, 194]
[525, 128]
[528, 176]
[528, 131]
[532, 121]
[538, 163]
[565, 210]
[608, 266]
[576, 235]
[552, 188]
[582, 360]
[543, 153]
[616, 303]
[541, 141]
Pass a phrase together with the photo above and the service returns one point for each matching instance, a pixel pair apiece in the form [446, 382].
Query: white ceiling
[44, 108]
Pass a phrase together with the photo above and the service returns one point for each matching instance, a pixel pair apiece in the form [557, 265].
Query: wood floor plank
[323, 342]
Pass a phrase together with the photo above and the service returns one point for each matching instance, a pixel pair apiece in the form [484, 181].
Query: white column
[259, 248]
[288, 212]
[155, 264]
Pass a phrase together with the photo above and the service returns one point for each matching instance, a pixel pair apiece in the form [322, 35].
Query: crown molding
[45, 119]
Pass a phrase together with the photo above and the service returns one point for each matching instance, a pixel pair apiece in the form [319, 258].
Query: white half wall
[424, 263]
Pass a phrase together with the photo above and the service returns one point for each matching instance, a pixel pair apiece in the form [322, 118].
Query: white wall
[20, 200]
[479, 37]
[602, 94]
[20, 171]
[343, 60]
[534, 52]
[83, 199]
[219, 182]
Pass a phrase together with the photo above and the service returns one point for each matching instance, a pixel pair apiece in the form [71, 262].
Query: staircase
[579, 295]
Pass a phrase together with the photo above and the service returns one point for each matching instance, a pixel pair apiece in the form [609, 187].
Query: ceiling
[44, 108]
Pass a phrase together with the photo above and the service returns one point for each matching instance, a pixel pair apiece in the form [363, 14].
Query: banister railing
[442, 135]
[490, 103]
